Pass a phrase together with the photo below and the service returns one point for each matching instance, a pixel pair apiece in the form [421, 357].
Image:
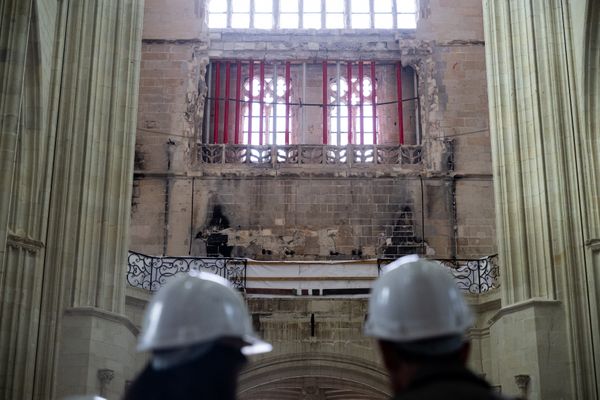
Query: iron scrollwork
[150, 273]
[471, 275]
[475, 276]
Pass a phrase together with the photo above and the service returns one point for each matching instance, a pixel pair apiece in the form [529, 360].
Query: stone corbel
[412, 50]
[24, 242]
[593, 244]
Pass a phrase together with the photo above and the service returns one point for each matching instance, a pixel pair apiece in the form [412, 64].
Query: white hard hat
[198, 308]
[416, 300]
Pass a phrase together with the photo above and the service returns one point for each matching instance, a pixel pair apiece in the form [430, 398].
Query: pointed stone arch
[321, 376]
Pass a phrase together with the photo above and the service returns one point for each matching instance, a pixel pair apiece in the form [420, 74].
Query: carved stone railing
[472, 275]
[307, 154]
[150, 273]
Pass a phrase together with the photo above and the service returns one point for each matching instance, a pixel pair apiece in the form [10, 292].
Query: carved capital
[105, 376]
[522, 382]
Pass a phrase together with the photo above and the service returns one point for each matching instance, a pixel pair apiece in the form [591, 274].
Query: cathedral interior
[295, 148]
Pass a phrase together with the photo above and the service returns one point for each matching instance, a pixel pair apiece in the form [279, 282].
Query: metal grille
[472, 275]
[150, 273]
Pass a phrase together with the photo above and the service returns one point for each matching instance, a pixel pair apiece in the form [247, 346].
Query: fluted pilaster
[23, 155]
[91, 195]
[538, 187]
[15, 19]
[591, 177]
[93, 169]
[528, 114]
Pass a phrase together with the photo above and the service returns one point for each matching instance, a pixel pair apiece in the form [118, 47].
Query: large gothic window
[351, 119]
[312, 14]
[271, 98]
[328, 102]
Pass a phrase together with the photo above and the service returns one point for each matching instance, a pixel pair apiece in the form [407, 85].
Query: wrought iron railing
[150, 273]
[472, 275]
[303, 154]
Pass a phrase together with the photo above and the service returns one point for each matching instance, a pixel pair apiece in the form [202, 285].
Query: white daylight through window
[312, 14]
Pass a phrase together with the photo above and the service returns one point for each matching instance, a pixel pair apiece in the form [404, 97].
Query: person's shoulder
[452, 391]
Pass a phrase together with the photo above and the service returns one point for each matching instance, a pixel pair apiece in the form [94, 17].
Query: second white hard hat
[414, 300]
[198, 308]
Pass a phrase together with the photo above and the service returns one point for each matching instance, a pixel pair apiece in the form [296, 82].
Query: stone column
[96, 133]
[540, 330]
[90, 198]
[15, 19]
[590, 79]
[23, 149]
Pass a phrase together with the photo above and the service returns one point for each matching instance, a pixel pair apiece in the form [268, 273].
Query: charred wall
[307, 217]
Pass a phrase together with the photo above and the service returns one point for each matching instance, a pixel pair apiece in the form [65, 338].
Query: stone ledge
[246, 172]
[487, 301]
[193, 41]
[294, 171]
[535, 302]
[305, 34]
[479, 333]
[103, 314]
[137, 297]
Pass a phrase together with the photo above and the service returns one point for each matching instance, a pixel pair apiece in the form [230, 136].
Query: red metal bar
[217, 94]
[400, 116]
[374, 101]
[361, 102]
[287, 102]
[226, 112]
[238, 88]
[261, 95]
[349, 73]
[251, 78]
[324, 102]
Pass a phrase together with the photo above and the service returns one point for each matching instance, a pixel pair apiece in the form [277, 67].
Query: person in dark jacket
[420, 321]
[199, 333]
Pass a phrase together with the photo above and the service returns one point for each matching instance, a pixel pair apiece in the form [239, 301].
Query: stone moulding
[350, 371]
[103, 314]
[535, 302]
[193, 41]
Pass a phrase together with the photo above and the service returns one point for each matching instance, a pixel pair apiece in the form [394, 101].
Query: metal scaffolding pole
[339, 108]
[208, 105]
[274, 104]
